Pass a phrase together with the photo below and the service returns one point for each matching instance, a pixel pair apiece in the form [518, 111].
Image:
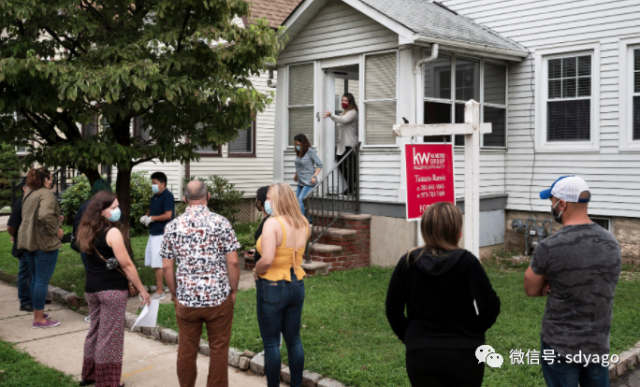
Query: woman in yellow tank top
[279, 282]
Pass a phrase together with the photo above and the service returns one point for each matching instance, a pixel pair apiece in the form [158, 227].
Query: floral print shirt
[199, 240]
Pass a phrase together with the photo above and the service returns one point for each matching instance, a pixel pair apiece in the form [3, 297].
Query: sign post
[471, 129]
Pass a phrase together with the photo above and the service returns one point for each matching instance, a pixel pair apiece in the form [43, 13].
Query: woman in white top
[347, 125]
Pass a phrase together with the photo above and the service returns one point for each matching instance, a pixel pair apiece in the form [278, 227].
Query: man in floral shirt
[203, 246]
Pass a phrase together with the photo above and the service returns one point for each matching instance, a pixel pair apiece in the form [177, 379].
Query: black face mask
[558, 218]
[258, 207]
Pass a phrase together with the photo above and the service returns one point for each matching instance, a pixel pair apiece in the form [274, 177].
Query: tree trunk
[123, 189]
[92, 175]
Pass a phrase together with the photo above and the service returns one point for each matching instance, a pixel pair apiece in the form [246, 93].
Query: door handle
[318, 116]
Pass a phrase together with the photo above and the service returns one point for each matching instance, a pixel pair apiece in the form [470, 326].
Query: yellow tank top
[285, 259]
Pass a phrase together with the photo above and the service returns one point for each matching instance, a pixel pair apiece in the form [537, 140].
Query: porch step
[320, 248]
[316, 268]
[343, 216]
[335, 232]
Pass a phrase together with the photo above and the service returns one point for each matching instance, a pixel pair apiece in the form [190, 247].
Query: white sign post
[471, 129]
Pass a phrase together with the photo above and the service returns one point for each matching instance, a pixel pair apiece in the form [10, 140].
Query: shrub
[225, 199]
[9, 170]
[74, 196]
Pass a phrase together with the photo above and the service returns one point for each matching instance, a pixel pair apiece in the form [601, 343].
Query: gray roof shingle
[435, 20]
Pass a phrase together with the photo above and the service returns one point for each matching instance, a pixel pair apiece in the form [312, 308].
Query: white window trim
[361, 118]
[313, 105]
[610, 220]
[625, 82]
[542, 57]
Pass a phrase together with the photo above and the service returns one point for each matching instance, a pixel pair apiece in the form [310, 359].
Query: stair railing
[63, 179]
[331, 197]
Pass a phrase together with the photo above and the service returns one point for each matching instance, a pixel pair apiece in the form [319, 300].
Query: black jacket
[439, 293]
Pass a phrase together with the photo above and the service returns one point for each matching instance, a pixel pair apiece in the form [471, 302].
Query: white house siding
[613, 175]
[337, 30]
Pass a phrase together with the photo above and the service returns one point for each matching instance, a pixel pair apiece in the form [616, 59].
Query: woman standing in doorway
[308, 166]
[347, 125]
[450, 304]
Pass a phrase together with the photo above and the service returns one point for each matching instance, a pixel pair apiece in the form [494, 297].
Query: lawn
[17, 369]
[346, 335]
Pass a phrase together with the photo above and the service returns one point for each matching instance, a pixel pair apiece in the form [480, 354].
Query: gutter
[418, 80]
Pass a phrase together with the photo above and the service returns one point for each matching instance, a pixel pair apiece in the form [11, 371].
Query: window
[244, 145]
[301, 99]
[90, 128]
[602, 222]
[569, 99]
[208, 151]
[445, 95]
[636, 95]
[380, 105]
[140, 130]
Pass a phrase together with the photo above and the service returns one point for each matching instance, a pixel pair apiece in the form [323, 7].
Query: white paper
[149, 315]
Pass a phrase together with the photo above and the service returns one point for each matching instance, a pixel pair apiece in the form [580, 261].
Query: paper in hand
[149, 315]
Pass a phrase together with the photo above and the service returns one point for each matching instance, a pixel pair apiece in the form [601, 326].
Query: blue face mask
[115, 215]
[298, 148]
[155, 188]
[267, 208]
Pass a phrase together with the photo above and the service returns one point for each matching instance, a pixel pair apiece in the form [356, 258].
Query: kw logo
[420, 158]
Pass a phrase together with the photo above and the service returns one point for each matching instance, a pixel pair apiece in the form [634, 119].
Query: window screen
[437, 78]
[244, 143]
[636, 94]
[495, 83]
[301, 79]
[380, 98]
[467, 80]
[569, 105]
[437, 113]
[498, 118]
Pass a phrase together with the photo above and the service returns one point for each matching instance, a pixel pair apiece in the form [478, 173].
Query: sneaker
[157, 296]
[87, 319]
[47, 301]
[47, 324]
[26, 308]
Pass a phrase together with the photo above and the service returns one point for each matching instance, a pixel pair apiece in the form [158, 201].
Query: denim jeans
[41, 264]
[83, 256]
[24, 282]
[303, 190]
[279, 306]
[562, 374]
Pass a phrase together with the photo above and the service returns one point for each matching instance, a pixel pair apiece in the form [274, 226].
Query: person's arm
[345, 119]
[161, 218]
[487, 300]
[169, 276]
[234, 273]
[316, 160]
[116, 242]
[269, 244]
[12, 232]
[535, 278]
[47, 216]
[168, 254]
[15, 219]
[397, 299]
[147, 213]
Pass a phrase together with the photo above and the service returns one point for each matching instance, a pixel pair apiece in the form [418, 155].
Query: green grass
[346, 335]
[18, 369]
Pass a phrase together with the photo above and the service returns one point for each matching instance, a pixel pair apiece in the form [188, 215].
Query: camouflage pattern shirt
[582, 263]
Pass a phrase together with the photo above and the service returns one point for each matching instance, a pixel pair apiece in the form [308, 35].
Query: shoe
[86, 383]
[47, 301]
[47, 324]
[45, 315]
[26, 308]
[157, 296]
[87, 319]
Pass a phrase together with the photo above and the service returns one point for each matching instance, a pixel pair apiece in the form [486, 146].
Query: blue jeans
[83, 256]
[279, 307]
[303, 190]
[41, 264]
[562, 374]
[24, 282]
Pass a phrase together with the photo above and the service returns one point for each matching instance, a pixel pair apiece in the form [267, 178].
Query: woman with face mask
[106, 290]
[308, 166]
[347, 125]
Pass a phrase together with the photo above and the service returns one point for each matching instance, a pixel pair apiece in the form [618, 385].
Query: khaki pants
[218, 321]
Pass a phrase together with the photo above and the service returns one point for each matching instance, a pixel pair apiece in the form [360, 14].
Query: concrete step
[334, 232]
[316, 268]
[343, 216]
[325, 249]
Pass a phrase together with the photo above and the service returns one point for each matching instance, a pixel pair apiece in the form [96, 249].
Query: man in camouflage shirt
[578, 268]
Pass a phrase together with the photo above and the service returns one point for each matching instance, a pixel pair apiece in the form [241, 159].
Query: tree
[9, 170]
[179, 67]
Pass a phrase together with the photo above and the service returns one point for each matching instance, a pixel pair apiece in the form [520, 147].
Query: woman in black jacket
[449, 301]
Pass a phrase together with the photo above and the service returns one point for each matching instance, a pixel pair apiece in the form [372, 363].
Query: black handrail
[330, 198]
[63, 179]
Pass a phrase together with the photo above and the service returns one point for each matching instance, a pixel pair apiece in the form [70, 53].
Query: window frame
[626, 94]
[254, 133]
[542, 57]
[453, 100]
[206, 154]
[289, 106]
[609, 222]
[363, 101]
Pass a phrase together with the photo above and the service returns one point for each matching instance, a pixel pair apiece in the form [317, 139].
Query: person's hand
[250, 253]
[60, 233]
[143, 219]
[326, 114]
[313, 180]
[145, 297]
[13, 240]
[255, 275]
[295, 177]
[62, 218]
[233, 296]
[546, 288]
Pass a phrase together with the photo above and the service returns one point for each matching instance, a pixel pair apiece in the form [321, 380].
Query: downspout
[416, 72]
[270, 81]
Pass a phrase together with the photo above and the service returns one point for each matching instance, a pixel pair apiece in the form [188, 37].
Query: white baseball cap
[567, 188]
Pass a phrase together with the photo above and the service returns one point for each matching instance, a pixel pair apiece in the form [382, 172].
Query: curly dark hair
[36, 177]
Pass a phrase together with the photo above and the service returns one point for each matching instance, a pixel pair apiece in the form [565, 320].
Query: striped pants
[104, 344]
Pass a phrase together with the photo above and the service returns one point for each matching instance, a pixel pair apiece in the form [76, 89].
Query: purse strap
[100, 255]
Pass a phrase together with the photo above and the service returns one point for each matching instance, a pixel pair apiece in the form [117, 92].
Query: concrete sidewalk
[147, 363]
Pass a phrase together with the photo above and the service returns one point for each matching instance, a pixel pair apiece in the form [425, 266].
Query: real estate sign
[430, 177]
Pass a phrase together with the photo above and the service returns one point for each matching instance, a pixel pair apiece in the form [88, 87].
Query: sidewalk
[147, 363]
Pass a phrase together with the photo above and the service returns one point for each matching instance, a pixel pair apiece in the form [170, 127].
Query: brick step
[335, 232]
[325, 250]
[343, 216]
[316, 268]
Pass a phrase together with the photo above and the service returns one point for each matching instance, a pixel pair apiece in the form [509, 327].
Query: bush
[9, 170]
[225, 199]
[78, 193]
[245, 233]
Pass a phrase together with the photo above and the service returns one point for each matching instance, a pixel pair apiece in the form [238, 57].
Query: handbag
[132, 289]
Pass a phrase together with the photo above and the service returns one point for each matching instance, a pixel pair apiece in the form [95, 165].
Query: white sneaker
[87, 319]
[157, 296]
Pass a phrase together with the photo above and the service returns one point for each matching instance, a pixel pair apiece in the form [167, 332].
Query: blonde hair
[285, 204]
[440, 226]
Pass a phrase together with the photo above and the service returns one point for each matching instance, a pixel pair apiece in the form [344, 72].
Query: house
[553, 79]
